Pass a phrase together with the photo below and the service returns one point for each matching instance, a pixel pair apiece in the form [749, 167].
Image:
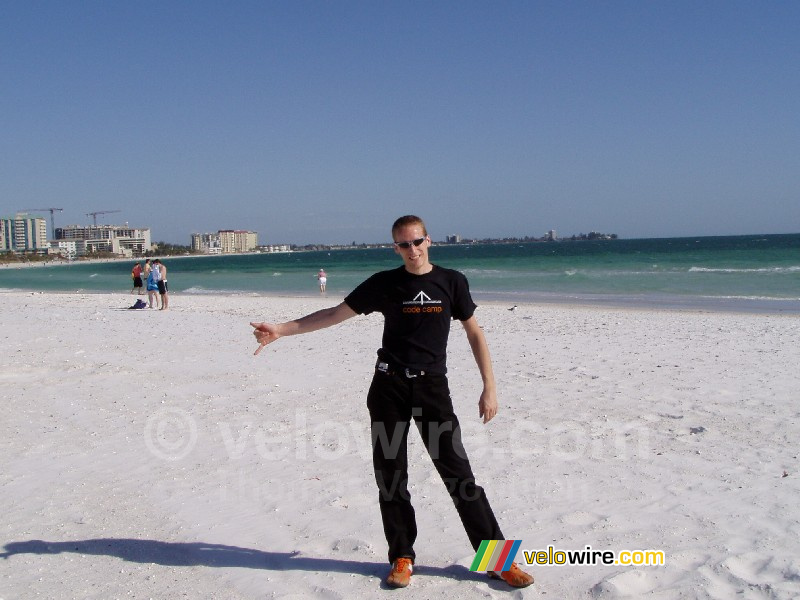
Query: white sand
[148, 454]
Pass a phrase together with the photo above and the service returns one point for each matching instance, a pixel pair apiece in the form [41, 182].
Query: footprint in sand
[756, 570]
[630, 584]
[579, 518]
[352, 545]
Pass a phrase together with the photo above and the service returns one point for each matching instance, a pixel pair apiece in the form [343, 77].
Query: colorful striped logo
[495, 555]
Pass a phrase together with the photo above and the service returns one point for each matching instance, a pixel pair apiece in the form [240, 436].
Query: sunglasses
[407, 245]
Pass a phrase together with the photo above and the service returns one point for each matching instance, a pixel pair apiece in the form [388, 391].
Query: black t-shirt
[417, 310]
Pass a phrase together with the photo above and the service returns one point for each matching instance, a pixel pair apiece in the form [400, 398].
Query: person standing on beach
[418, 301]
[136, 274]
[153, 275]
[163, 289]
[322, 276]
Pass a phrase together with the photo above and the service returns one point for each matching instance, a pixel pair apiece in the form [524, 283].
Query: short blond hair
[409, 220]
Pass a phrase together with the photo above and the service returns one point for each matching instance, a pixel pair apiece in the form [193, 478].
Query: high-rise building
[237, 240]
[23, 233]
[208, 243]
[225, 241]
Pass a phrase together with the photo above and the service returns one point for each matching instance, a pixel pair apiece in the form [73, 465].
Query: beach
[149, 454]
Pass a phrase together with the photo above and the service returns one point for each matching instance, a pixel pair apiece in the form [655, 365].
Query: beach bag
[138, 304]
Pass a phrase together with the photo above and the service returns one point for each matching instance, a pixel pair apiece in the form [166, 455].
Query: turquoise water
[760, 272]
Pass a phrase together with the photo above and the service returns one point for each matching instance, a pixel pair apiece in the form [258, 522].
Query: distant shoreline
[365, 246]
[91, 261]
[752, 274]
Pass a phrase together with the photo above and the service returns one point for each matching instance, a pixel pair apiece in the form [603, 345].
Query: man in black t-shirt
[418, 301]
[417, 310]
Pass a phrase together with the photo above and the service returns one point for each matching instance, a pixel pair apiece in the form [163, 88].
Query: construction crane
[100, 212]
[52, 218]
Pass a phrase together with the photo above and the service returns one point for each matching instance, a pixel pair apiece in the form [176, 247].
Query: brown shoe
[400, 576]
[515, 577]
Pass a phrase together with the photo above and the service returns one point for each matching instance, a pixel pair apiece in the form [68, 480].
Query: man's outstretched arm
[266, 333]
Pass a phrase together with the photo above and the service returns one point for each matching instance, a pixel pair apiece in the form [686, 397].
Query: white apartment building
[117, 239]
[23, 233]
[225, 241]
[237, 241]
[68, 248]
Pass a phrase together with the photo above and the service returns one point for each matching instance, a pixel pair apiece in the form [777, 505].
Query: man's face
[414, 257]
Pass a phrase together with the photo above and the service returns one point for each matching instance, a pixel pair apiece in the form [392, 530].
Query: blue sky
[313, 121]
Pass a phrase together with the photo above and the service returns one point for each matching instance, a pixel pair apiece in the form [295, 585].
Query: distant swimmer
[322, 276]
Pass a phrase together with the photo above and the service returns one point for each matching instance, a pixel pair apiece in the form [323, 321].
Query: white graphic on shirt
[422, 298]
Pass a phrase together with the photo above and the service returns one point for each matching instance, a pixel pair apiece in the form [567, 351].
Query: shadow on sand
[183, 554]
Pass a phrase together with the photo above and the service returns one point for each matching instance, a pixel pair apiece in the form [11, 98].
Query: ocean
[749, 273]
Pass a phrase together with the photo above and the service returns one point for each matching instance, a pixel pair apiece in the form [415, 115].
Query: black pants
[394, 400]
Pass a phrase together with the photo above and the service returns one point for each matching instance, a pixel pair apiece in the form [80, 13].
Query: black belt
[388, 369]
